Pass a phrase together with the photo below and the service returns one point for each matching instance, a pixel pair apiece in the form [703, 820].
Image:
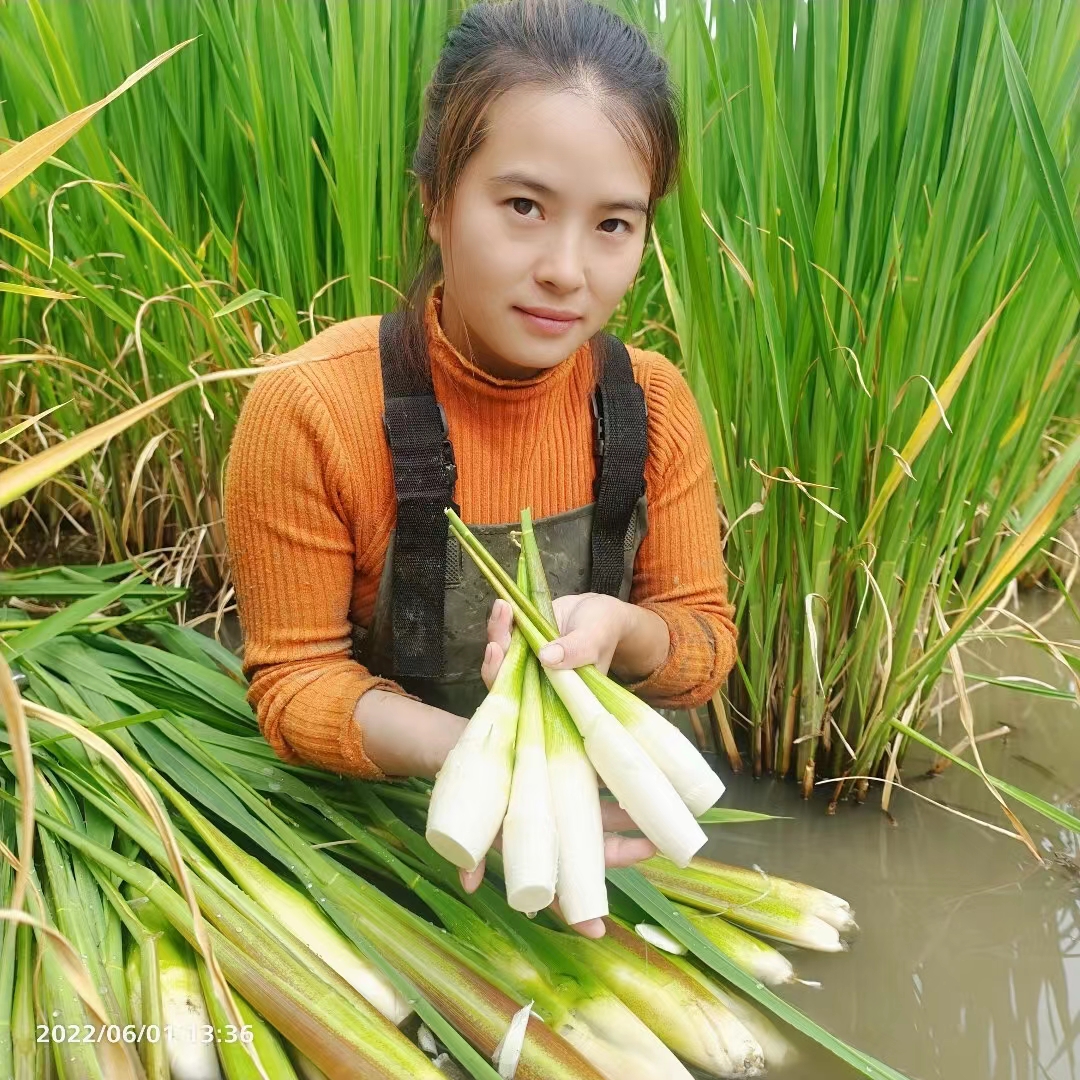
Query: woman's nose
[562, 265]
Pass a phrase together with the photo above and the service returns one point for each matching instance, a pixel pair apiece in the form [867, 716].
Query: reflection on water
[968, 963]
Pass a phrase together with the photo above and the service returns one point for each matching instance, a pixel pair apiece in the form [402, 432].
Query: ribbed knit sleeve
[291, 549]
[679, 572]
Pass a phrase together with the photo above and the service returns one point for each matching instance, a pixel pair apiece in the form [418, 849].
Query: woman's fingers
[593, 928]
[470, 879]
[500, 623]
[493, 658]
[622, 850]
[627, 850]
[615, 818]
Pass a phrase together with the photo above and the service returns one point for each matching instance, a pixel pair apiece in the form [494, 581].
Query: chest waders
[429, 627]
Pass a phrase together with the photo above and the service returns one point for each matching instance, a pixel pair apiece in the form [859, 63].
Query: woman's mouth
[547, 324]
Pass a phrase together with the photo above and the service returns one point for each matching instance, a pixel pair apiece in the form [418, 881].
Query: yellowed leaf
[24, 157]
[932, 415]
[33, 290]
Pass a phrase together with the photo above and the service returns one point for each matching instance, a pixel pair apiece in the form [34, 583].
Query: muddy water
[967, 966]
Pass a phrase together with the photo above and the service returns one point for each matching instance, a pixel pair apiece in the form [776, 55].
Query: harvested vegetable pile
[192, 903]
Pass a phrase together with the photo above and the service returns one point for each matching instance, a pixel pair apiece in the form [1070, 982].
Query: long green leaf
[1042, 168]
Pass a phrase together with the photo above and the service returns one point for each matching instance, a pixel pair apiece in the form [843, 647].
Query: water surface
[967, 965]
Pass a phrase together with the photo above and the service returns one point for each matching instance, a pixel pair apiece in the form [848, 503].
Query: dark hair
[561, 44]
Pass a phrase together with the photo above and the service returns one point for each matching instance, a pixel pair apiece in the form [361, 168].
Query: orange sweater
[309, 505]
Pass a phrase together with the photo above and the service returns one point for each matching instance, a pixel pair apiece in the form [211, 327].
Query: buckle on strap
[598, 415]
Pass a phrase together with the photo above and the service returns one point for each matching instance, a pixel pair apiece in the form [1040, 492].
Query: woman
[550, 134]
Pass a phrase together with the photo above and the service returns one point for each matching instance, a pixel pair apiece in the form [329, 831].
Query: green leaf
[716, 816]
[243, 301]
[1046, 809]
[65, 619]
[1042, 168]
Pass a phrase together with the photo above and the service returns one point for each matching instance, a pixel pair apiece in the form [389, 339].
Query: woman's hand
[594, 629]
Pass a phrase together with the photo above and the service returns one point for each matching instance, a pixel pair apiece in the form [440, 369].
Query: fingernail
[552, 653]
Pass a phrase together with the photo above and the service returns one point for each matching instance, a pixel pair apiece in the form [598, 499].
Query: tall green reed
[867, 274]
[855, 210]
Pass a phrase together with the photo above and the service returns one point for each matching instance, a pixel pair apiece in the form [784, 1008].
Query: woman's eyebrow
[639, 206]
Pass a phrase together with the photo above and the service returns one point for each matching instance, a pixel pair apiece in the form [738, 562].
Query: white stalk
[581, 883]
[472, 789]
[679, 760]
[184, 1014]
[642, 790]
[659, 938]
[530, 842]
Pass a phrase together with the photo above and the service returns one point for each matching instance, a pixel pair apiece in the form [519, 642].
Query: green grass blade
[1042, 168]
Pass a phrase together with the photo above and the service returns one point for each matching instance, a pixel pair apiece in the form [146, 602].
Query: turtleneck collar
[472, 379]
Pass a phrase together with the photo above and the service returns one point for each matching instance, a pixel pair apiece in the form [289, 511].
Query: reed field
[870, 274]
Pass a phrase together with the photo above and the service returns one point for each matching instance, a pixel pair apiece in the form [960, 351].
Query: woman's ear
[434, 225]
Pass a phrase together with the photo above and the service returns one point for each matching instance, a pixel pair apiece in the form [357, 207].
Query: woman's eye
[528, 203]
[522, 206]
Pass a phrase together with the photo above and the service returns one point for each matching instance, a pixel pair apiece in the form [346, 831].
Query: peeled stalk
[183, 1009]
[580, 883]
[751, 954]
[780, 909]
[632, 776]
[691, 1021]
[691, 775]
[472, 789]
[530, 843]
[642, 790]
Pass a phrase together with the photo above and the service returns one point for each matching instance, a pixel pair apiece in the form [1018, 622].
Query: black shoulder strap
[425, 473]
[621, 447]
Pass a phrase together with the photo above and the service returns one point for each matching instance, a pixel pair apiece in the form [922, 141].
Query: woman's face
[548, 214]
